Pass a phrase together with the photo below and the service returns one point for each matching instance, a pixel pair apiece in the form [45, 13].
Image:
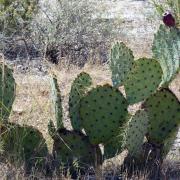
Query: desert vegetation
[98, 111]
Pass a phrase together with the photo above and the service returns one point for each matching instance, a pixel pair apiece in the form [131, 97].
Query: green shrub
[16, 15]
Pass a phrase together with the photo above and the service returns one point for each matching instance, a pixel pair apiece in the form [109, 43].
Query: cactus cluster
[99, 115]
[147, 81]
[103, 115]
[100, 111]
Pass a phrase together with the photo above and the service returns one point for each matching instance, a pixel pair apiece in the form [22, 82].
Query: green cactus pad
[56, 99]
[163, 110]
[135, 133]
[78, 90]
[166, 48]
[113, 147]
[102, 111]
[73, 146]
[7, 91]
[143, 80]
[168, 144]
[23, 143]
[122, 60]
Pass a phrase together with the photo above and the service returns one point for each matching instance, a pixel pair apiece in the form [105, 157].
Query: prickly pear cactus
[78, 90]
[56, 99]
[122, 60]
[143, 80]
[113, 147]
[73, 146]
[163, 110]
[166, 48]
[7, 91]
[23, 144]
[135, 133]
[102, 111]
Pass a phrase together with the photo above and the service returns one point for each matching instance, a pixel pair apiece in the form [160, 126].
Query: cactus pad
[7, 92]
[113, 147]
[143, 80]
[102, 111]
[135, 133]
[56, 100]
[163, 110]
[168, 144]
[122, 60]
[78, 89]
[23, 143]
[73, 146]
[166, 48]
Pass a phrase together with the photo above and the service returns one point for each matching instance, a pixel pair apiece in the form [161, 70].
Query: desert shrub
[15, 18]
[74, 30]
[15, 15]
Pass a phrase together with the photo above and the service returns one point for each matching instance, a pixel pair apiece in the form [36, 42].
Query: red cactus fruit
[168, 19]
